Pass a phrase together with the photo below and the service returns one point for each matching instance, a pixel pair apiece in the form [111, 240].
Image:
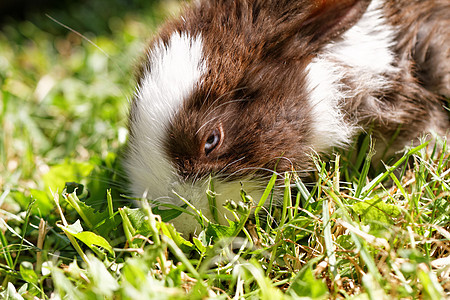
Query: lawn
[68, 230]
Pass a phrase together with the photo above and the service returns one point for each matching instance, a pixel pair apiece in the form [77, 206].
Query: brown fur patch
[255, 86]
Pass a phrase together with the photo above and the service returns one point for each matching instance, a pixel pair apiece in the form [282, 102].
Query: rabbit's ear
[331, 18]
[309, 25]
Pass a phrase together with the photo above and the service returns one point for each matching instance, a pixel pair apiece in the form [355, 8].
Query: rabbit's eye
[214, 140]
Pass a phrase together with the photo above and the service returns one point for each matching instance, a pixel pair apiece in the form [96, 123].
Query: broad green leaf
[217, 231]
[199, 245]
[170, 231]
[138, 220]
[170, 213]
[97, 221]
[44, 204]
[27, 272]
[55, 179]
[376, 213]
[89, 238]
[306, 285]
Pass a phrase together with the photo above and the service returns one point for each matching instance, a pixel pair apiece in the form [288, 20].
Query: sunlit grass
[351, 231]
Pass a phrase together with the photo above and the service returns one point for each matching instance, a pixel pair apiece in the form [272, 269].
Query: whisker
[209, 92]
[93, 44]
[206, 123]
[225, 103]
[231, 163]
[253, 169]
[207, 112]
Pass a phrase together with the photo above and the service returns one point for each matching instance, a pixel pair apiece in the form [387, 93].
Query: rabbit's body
[234, 88]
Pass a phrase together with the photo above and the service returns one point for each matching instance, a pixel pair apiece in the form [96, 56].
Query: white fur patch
[366, 46]
[364, 56]
[174, 71]
[329, 127]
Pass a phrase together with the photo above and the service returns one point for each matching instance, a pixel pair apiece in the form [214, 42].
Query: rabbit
[232, 90]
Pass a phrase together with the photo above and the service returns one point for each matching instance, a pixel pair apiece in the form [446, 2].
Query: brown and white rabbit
[234, 87]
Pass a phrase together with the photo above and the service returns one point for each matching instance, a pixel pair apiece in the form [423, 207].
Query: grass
[66, 231]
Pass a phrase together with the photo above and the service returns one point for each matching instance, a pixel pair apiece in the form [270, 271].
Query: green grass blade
[287, 204]
[262, 200]
[372, 184]
[5, 251]
[303, 191]
[211, 196]
[329, 245]
[364, 172]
